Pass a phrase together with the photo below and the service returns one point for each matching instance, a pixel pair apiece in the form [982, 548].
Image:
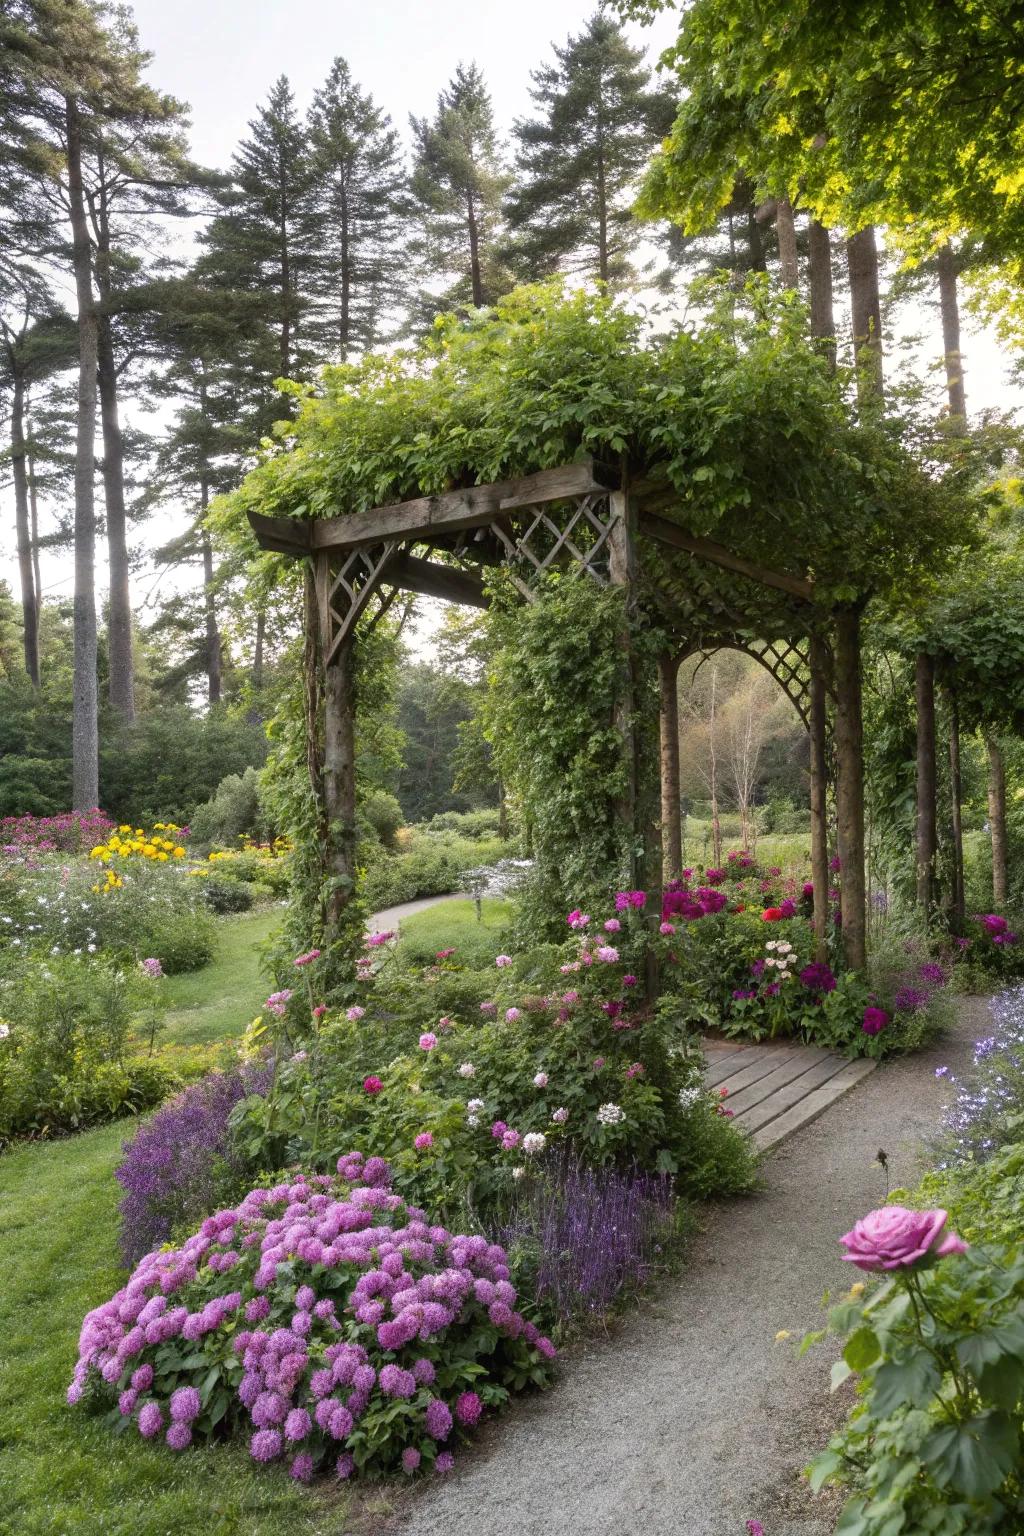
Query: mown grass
[217, 1002]
[62, 1473]
[454, 924]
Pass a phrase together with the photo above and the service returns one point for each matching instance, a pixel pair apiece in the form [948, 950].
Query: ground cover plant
[377, 1341]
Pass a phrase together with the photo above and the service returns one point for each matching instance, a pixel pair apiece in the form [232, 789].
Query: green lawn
[218, 1002]
[62, 1473]
[454, 924]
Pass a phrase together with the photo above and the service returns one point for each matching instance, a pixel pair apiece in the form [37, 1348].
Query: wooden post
[850, 787]
[671, 822]
[956, 802]
[997, 819]
[819, 792]
[339, 759]
[926, 837]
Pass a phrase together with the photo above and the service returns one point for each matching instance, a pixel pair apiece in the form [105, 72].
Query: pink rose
[895, 1238]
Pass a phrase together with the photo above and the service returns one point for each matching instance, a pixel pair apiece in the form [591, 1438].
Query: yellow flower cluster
[128, 842]
[111, 882]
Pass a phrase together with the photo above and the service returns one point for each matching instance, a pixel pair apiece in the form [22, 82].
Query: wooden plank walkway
[777, 1087]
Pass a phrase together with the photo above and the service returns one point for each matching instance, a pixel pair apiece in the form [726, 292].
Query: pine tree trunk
[997, 820]
[819, 798]
[927, 834]
[671, 824]
[865, 303]
[785, 228]
[849, 740]
[119, 624]
[33, 503]
[85, 744]
[755, 245]
[22, 518]
[257, 658]
[950, 310]
[956, 810]
[346, 278]
[823, 323]
[476, 282]
[602, 206]
[213, 648]
[284, 255]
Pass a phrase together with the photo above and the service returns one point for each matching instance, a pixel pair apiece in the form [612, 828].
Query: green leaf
[822, 1468]
[841, 1372]
[974, 1457]
[899, 1382]
[862, 1349]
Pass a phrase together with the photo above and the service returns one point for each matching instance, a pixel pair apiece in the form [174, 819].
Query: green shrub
[384, 814]
[223, 895]
[65, 1059]
[181, 941]
[232, 812]
[475, 824]
[454, 925]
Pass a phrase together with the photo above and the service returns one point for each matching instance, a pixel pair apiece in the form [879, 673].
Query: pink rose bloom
[570, 997]
[612, 925]
[511, 1015]
[428, 1041]
[423, 1141]
[372, 1085]
[560, 1116]
[895, 1238]
[355, 1014]
[608, 954]
[666, 928]
[541, 1080]
[510, 1140]
[502, 960]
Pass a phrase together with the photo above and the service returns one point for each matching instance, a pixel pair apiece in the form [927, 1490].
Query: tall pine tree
[458, 183]
[579, 158]
[360, 202]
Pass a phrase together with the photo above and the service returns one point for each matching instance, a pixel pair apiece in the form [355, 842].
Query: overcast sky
[223, 56]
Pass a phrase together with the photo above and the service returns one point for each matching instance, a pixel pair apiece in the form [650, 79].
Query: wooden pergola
[593, 519]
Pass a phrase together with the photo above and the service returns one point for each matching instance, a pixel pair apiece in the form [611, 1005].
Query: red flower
[771, 915]
[372, 1085]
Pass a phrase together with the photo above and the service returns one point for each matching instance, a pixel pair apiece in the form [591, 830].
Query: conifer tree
[360, 202]
[580, 156]
[458, 183]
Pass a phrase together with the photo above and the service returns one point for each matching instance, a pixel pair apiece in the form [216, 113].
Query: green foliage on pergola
[734, 424]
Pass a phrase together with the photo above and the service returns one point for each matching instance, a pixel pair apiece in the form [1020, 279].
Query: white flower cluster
[782, 959]
[473, 1109]
[534, 1141]
[689, 1096]
[611, 1114]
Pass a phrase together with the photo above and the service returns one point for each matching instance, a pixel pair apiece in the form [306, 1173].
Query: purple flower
[265, 1445]
[444, 1462]
[895, 1238]
[468, 1408]
[932, 972]
[397, 1383]
[179, 1436]
[438, 1419]
[150, 1420]
[302, 1467]
[185, 1405]
[297, 1425]
[818, 977]
[423, 1141]
[411, 1459]
[910, 1000]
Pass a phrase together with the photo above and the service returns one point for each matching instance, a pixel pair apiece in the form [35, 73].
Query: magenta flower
[410, 1459]
[875, 1020]
[306, 959]
[896, 1238]
[265, 1445]
[423, 1141]
[666, 928]
[179, 1436]
[375, 940]
[438, 1419]
[185, 1405]
[354, 1014]
[428, 1040]
[501, 961]
[150, 1420]
[444, 1462]
[608, 954]
[511, 1015]
[372, 1085]
[612, 925]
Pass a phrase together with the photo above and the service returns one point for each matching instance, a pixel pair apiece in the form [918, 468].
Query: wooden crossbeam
[659, 528]
[283, 535]
[431, 579]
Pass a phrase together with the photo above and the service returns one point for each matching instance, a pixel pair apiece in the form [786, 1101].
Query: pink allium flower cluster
[307, 958]
[309, 1342]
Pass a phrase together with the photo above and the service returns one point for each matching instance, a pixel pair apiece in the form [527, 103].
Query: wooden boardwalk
[777, 1087]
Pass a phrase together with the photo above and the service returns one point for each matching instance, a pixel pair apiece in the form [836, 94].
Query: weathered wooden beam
[431, 579]
[283, 535]
[452, 511]
[665, 532]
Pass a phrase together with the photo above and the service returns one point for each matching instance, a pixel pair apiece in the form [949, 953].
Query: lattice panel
[345, 589]
[790, 666]
[574, 532]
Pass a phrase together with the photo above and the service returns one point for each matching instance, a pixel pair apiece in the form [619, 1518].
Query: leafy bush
[428, 865]
[936, 1441]
[181, 940]
[988, 1101]
[65, 1060]
[224, 895]
[233, 811]
[163, 765]
[474, 824]
[371, 1340]
[70, 832]
[181, 1163]
[383, 813]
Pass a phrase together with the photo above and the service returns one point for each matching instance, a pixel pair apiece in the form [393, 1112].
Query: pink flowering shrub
[326, 1321]
[68, 832]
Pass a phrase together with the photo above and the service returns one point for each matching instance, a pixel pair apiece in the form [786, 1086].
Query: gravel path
[392, 916]
[693, 1419]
